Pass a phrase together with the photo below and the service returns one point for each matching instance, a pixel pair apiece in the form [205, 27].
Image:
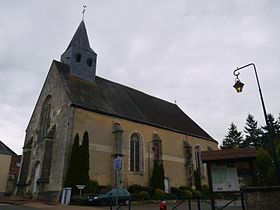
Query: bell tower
[79, 55]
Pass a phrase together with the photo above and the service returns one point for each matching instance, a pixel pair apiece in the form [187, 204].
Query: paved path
[42, 206]
[60, 207]
[24, 205]
[14, 207]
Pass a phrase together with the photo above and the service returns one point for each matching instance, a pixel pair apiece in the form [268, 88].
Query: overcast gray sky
[173, 49]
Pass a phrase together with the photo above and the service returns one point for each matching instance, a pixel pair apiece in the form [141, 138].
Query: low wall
[262, 198]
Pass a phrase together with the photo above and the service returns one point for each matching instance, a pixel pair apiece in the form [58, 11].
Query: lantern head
[238, 86]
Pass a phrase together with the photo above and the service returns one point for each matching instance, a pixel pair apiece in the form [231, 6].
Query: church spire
[79, 55]
[80, 38]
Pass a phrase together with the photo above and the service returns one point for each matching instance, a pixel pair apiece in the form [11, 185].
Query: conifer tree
[278, 129]
[154, 179]
[274, 131]
[197, 179]
[78, 168]
[264, 167]
[273, 125]
[253, 137]
[161, 178]
[233, 139]
[74, 164]
[157, 179]
[84, 159]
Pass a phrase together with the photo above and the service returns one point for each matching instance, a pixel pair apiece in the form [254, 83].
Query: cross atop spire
[84, 10]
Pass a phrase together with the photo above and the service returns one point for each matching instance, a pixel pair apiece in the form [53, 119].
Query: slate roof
[5, 150]
[107, 97]
[228, 154]
[80, 38]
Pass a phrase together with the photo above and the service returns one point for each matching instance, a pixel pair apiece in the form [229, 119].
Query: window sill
[136, 173]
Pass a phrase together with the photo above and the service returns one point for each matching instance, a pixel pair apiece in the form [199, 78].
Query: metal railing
[209, 199]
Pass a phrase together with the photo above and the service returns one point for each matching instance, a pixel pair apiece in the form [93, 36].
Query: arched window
[136, 153]
[198, 162]
[45, 119]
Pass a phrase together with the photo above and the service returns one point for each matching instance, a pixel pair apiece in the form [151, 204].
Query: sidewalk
[45, 205]
[48, 206]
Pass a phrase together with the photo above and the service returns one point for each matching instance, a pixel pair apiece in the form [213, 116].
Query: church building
[121, 122]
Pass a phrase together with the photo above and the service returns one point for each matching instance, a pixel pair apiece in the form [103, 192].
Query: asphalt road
[150, 206]
[183, 206]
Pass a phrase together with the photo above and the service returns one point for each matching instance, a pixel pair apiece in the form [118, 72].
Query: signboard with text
[80, 187]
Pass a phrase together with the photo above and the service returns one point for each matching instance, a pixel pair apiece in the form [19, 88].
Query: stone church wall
[60, 118]
[102, 142]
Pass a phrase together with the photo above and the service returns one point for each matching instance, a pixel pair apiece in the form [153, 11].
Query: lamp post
[239, 87]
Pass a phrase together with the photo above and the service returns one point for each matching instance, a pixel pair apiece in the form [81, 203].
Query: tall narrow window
[45, 119]
[135, 153]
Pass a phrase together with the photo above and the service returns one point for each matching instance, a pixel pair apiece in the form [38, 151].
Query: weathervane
[84, 10]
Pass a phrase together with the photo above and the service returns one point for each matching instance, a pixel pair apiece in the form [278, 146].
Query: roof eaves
[236, 159]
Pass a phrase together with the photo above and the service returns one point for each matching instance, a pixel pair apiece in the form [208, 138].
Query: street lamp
[239, 87]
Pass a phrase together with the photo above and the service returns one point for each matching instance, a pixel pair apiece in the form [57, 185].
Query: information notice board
[224, 178]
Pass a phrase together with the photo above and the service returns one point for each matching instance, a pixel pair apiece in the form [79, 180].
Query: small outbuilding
[230, 169]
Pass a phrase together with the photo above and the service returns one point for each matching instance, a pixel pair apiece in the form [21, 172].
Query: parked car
[110, 198]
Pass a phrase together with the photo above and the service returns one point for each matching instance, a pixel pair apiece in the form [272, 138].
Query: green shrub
[135, 188]
[176, 191]
[196, 193]
[140, 196]
[182, 192]
[158, 194]
[144, 195]
[92, 187]
[188, 193]
[185, 188]
[79, 200]
[205, 190]
[264, 167]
